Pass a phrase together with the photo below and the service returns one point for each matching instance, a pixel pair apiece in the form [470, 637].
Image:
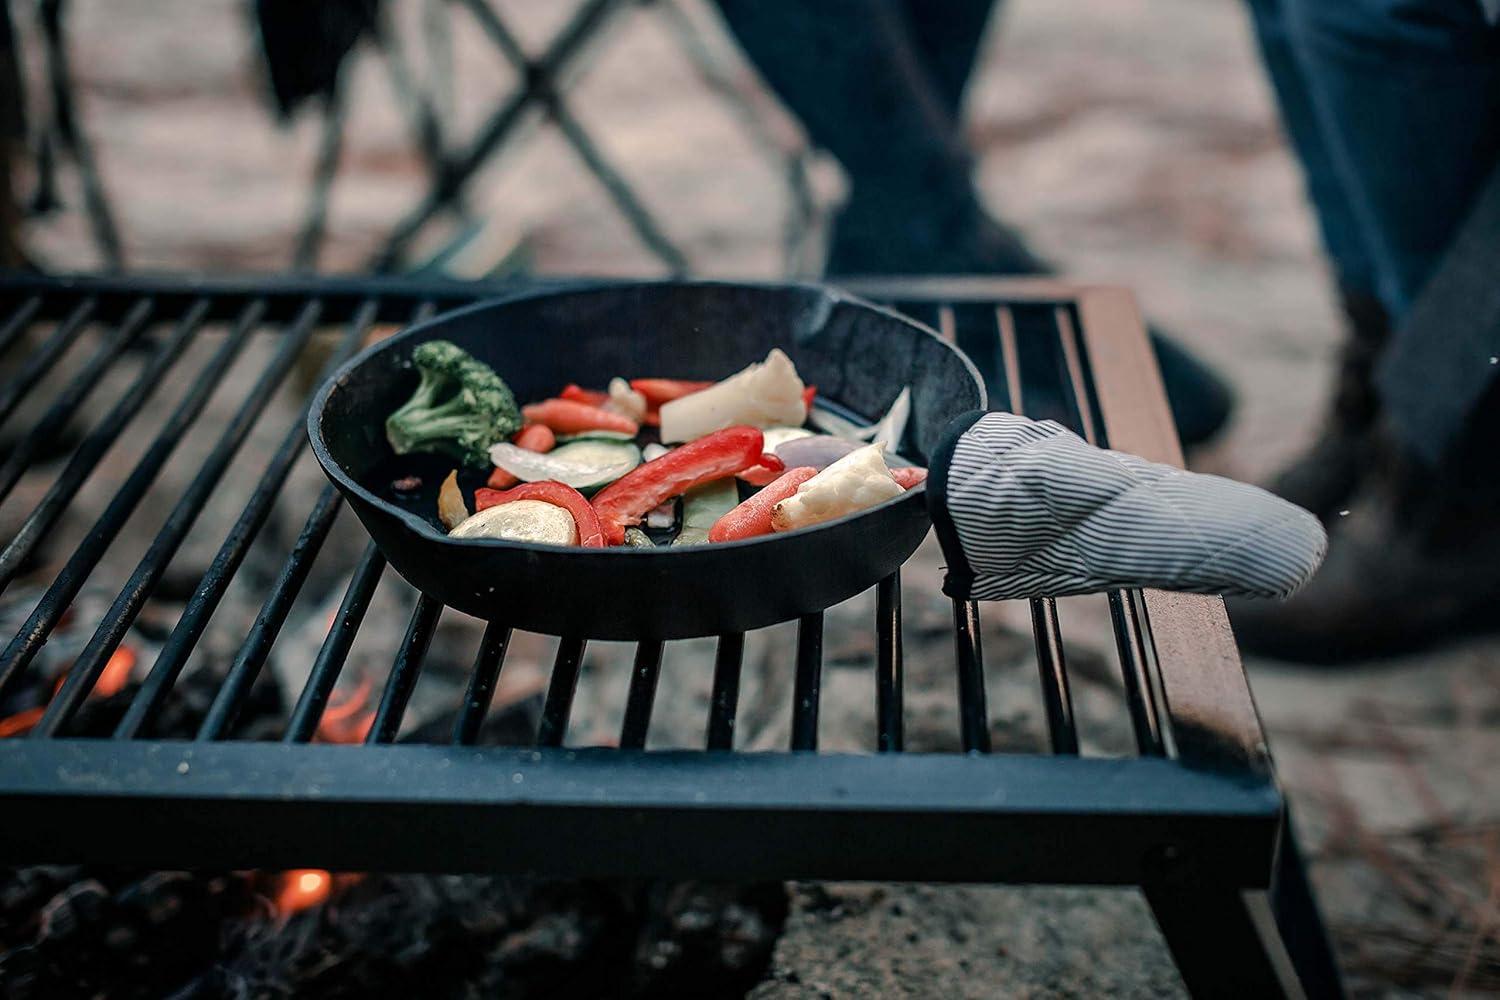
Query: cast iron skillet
[859, 356]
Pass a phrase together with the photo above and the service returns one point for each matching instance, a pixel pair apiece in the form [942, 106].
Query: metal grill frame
[1196, 819]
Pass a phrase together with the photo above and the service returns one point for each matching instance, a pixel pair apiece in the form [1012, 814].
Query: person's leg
[1406, 93]
[1324, 477]
[947, 35]
[854, 74]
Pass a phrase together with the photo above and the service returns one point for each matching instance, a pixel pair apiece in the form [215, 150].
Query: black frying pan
[859, 356]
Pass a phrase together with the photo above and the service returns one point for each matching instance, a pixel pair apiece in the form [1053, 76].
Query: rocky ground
[1133, 140]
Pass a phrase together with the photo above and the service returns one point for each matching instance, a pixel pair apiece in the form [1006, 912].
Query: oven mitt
[1029, 509]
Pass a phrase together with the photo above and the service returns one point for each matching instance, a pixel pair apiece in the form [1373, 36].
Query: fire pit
[254, 773]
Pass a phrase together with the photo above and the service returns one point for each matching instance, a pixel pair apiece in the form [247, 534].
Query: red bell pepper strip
[809, 393]
[590, 536]
[568, 416]
[532, 437]
[713, 456]
[908, 476]
[764, 474]
[663, 390]
[753, 516]
[578, 394]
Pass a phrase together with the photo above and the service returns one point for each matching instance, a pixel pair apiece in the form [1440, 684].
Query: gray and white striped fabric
[1029, 509]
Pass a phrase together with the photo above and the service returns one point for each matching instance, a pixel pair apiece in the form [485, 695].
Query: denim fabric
[1393, 106]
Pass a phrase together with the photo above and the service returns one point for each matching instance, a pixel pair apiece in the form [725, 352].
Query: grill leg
[1232, 943]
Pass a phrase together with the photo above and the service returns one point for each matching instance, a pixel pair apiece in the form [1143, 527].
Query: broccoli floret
[461, 407]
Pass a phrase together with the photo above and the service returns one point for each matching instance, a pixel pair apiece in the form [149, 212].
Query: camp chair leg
[1235, 943]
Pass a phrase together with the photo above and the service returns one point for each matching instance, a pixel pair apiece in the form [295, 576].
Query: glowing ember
[116, 673]
[21, 722]
[302, 888]
[348, 719]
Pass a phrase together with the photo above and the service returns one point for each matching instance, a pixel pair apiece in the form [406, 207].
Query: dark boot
[1416, 561]
[1324, 478]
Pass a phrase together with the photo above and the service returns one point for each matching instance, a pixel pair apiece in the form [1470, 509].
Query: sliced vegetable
[662, 516]
[809, 394]
[753, 517]
[908, 476]
[703, 506]
[768, 394]
[460, 408]
[568, 416]
[858, 480]
[533, 437]
[595, 436]
[635, 538]
[888, 430]
[583, 465]
[521, 521]
[578, 394]
[559, 495]
[653, 451]
[663, 390]
[722, 453]
[763, 475]
[451, 509]
[819, 451]
[625, 401]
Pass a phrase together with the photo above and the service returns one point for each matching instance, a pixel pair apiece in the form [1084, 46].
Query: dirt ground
[1135, 142]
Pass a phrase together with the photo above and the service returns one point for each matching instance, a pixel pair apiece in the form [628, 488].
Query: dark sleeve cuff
[959, 577]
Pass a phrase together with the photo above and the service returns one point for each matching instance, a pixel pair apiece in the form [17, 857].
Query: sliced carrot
[578, 394]
[568, 416]
[753, 516]
[663, 390]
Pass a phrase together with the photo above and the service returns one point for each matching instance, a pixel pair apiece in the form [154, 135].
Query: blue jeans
[1393, 108]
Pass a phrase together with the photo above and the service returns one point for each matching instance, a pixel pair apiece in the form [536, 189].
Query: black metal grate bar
[257, 646]
[99, 440]
[487, 664]
[724, 702]
[18, 322]
[1133, 663]
[1126, 615]
[216, 580]
[335, 649]
[65, 406]
[1052, 668]
[41, 361]
[92, 661]
[807, 689]
[41, 520]
[55, 601]
[1057, 699]
[405, 670]
[643, 677]
[889, 723]
[559, 703]
[973, 714]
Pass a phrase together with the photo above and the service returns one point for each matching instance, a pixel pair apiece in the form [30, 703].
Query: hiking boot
[1325, 476]
[1415, 561]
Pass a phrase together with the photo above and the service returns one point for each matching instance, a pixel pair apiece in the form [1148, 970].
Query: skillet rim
[422, 527]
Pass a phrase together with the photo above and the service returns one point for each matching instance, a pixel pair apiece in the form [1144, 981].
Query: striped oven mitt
[1029, 509]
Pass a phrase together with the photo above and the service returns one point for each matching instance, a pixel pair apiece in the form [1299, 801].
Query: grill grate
[1040, 347]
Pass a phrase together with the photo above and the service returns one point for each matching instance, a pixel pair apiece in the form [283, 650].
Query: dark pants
[1393, 107]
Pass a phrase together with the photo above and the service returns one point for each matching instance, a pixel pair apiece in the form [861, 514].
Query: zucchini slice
[521, 521]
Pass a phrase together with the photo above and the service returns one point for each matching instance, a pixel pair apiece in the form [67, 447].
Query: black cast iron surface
[1199, 802]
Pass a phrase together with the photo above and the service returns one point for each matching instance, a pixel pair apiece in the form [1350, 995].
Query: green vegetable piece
[460, 408]
[702, 507]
